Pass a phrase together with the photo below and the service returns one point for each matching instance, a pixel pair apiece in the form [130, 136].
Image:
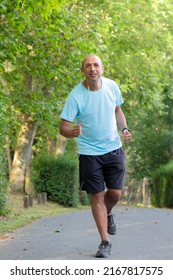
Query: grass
[19, 216]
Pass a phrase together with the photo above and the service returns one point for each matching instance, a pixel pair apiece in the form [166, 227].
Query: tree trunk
[28, 186]
[138, 192]
[51, 146]
[145, 192]
[57, 147]
[60, 144]
[22, 154]
[9, 156]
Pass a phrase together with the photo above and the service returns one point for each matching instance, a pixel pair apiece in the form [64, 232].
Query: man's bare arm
[121, 120]
[68, 130]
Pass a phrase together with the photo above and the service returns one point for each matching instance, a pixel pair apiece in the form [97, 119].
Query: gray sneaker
[104, 249]
[111, 225]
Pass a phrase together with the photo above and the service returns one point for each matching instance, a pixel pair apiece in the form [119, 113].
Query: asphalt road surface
[142, 234]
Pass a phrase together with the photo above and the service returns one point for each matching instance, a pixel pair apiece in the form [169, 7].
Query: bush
[3, 202]
[3, 183]
[162, 189]
[85, 198]
[58, 176]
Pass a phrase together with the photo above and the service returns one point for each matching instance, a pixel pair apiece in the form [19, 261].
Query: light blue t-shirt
[96, 111]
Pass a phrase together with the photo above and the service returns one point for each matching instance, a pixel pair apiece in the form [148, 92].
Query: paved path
[142, 234]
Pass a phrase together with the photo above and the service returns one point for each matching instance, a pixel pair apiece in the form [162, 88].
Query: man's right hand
[68, 130]
[77, 130]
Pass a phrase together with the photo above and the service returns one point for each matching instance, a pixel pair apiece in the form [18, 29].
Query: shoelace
[104, 244]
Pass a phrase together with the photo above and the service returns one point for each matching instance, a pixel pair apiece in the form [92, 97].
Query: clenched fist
[77, 130]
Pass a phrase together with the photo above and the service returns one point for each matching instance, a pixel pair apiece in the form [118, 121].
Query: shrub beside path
[142, 234]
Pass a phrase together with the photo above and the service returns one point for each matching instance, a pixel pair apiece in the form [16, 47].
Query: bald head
[92, 57]
[92, 68]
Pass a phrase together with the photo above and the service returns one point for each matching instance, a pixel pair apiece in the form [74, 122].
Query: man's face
[92, 68]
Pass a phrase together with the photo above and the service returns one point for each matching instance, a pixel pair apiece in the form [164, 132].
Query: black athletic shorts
[98, 172]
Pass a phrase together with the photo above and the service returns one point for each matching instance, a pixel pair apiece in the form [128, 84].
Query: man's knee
[114, 194]
[98, 196]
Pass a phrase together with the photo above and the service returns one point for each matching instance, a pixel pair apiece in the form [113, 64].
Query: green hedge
[3, 183]
[162, 189]
[58, 176]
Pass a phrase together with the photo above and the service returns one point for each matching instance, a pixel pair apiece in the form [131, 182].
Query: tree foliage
[41, 51]
[140, 47]
[162, 191]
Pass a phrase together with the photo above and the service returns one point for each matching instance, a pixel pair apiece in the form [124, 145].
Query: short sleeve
[70, 109]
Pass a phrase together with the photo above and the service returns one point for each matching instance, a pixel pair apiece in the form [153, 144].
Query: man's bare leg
[99, 211]
[111, 198]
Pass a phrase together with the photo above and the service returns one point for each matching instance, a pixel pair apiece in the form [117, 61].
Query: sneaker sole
[111, 233]
[98, 255]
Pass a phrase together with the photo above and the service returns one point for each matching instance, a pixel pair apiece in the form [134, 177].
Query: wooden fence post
[26, 201]
[44, 197]
[39, 198]
[31, 200]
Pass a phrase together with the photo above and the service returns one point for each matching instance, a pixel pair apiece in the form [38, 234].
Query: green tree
[26, 42]
[140, 55]
[40, 44]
